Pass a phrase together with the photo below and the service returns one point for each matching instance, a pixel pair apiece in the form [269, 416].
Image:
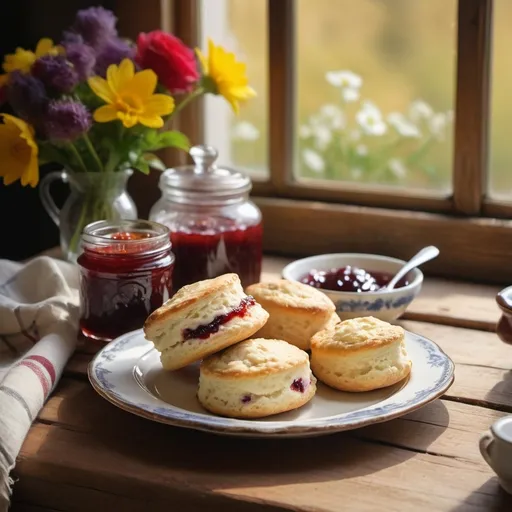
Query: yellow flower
[18, 152]
[223, 75]
[130, 97]
[22, 60]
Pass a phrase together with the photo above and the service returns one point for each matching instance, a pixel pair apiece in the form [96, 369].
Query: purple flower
[70, 37]
[83, 58]
[96, 25]
[56, 73]
[66, 120]
[113, 52]
[27, 96]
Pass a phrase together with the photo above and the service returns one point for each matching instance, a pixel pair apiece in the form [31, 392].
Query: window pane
[241, 27]
[375, 95]
[500, 174]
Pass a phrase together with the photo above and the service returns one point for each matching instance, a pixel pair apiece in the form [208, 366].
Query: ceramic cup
[504, 328]
[496, 449]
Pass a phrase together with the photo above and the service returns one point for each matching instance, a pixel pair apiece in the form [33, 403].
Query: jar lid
[204, 177]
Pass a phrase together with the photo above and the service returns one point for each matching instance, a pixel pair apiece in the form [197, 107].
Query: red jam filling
[203, 252]
[205, 331]
[350, 279]
[298, 385]
[121, 285]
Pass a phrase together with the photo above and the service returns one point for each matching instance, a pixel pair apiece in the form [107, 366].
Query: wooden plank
[361, 194]
[472, 249]
[483, 364]
[441, 301]
[163, 464]
[281, 108]
[456, 303]
[187, 26]
[440, 428]
[472, 104]
[494, 207]
[466, 346]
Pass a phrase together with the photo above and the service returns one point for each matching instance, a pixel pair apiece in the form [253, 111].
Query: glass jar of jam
[215, 228]
[125, 274]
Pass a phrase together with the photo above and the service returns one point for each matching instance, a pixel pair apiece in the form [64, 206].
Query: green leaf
[142, 166]
[168, 139]
[154, 162]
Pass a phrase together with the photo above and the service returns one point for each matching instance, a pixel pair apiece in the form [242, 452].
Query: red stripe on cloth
[40, 375]
[47, 365]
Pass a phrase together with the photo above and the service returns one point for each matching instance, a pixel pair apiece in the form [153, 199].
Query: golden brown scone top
[291, 294]
[254, 357]
[190, 295]
[356, 334]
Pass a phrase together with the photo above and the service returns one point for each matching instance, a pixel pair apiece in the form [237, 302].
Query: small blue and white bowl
[387, 305]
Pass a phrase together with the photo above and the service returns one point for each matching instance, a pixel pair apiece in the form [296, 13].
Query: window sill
[472, 249]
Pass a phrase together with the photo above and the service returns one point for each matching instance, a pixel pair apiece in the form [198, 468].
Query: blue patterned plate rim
[100, 375]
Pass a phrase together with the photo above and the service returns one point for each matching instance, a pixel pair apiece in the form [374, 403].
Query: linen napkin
[39, 311]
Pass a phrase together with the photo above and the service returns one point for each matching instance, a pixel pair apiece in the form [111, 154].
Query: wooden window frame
[307, 217]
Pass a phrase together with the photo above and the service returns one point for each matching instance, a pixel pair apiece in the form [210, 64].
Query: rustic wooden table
[84, 454]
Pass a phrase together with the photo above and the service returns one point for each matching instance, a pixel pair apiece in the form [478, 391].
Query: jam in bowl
[350, 279]
[356, 283]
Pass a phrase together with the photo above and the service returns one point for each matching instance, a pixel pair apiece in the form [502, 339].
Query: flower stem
[73, 243]
[193, 95]
[77, 156]
[93, 152]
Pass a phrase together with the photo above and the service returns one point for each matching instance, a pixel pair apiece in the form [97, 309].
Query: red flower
[172, 61]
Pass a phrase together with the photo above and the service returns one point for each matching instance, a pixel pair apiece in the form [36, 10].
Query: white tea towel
[39, 311]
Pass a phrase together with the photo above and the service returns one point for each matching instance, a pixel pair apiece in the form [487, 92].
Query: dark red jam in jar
[350, 279]
[126, 272]
[205, 253]
[215, 228]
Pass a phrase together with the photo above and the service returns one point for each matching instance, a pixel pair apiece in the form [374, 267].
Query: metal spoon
[426, 254]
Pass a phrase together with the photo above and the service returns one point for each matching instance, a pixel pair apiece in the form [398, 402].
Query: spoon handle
[426, 254]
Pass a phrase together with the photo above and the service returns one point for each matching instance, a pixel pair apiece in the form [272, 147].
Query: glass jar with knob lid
[215, 228]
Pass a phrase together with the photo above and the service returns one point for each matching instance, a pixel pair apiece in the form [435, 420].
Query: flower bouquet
[97, 105]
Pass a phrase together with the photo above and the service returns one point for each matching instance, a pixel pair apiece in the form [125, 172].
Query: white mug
[496, 449]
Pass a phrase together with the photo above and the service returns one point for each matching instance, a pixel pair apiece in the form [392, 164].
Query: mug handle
[486, 440]
[46, 198]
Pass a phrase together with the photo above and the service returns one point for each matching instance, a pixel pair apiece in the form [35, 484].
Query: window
[399, 67]
[500, 176]
[374, 94]
[241, 140]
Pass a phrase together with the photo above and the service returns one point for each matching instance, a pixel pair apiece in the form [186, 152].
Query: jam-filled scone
[297, 311]
[256, 378]
[201, 319]
[360, 354]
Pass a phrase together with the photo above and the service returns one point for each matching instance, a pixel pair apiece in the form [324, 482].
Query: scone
[360, 354]
[203, 318]
[256, 378]
[297, 311]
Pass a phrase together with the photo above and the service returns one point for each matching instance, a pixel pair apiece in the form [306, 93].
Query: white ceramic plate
[128, 373]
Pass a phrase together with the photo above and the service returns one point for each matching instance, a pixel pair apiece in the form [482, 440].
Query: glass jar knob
[204, 158]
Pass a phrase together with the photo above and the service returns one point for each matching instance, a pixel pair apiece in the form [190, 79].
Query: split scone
[297, 311]
[256, 378]
[360, 354]
[203, 318]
